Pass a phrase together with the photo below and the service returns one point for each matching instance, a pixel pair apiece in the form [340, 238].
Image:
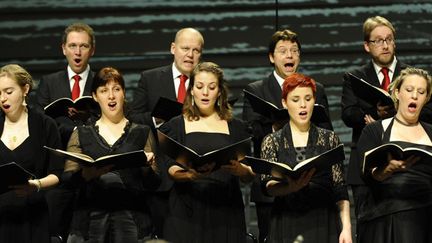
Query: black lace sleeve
[269, 148]
[340, 189]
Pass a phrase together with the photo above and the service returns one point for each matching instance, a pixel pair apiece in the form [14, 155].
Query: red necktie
[386, 81]
[76, 87]
[182, 88]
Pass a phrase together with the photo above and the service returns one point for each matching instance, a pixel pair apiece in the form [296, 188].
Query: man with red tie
[74, 81]
[171, 82]
[168, 81]
[78, 46]
[379, 42]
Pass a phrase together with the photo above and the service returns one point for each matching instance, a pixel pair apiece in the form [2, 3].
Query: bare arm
[344, 214]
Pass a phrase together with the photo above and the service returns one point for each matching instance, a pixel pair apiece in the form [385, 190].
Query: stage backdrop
[135, 35]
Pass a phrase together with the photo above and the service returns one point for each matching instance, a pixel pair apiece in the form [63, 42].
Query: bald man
[165, 82]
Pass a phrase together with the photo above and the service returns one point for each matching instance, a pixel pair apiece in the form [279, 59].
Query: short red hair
[297, 80]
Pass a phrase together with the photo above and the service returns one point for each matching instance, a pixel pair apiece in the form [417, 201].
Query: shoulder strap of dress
[386, 124]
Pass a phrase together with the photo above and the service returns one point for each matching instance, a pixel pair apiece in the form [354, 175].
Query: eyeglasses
[380, 42]
[82, 47]
[293, 51]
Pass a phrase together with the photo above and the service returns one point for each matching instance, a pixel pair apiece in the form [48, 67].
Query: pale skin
[12, 97]
[205, 93]
[286, 59]
[412, 96]
[383, 56]
[78, 50]
[299, 103]
[187, 48]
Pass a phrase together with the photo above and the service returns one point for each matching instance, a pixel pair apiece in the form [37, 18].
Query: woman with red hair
[305, 208]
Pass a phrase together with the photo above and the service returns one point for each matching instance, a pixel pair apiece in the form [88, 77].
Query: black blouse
[42, 132]
[406, 190]
[175, 129]
[325, 187]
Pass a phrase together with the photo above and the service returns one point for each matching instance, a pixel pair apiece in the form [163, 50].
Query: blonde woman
[24, 210]
[399, 206]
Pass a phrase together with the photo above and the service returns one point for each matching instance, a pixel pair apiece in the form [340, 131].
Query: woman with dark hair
[398, 208]
[305, 209]
[206, 207]
[24, 133]
[110, 206]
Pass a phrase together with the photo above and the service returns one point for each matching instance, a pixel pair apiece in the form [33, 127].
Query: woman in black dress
[399, 206]
[206, 207]
[305, 209]
[110, 204]
[24, 132]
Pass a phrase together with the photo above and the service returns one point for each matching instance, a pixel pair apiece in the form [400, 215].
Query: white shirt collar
[83, 75]
[83, 80]
[175, 71]
[279, 79]
[176, 79]
[391, 68]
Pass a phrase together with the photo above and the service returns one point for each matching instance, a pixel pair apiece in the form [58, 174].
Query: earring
[218, 102]
[193, 102]
[24, 103]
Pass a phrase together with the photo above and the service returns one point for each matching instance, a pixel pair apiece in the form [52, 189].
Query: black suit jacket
[270, 90]
[55, 86]
[354, 109]
[153, 84]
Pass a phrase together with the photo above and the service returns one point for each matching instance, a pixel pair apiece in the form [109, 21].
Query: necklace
[406, 124]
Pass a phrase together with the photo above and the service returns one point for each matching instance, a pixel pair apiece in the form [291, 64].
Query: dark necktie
[386, 81]
[182, 88]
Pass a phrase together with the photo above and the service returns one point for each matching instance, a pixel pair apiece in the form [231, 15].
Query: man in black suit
[284, 54]
[78, 45]
[379, 42]
[166, 82]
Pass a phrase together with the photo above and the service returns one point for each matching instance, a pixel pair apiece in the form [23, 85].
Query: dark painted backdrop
[134, 35]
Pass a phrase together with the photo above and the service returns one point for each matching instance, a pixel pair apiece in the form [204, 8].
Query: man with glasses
[284, 55]
[171, 82]
[379, 42]
[78, 46]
